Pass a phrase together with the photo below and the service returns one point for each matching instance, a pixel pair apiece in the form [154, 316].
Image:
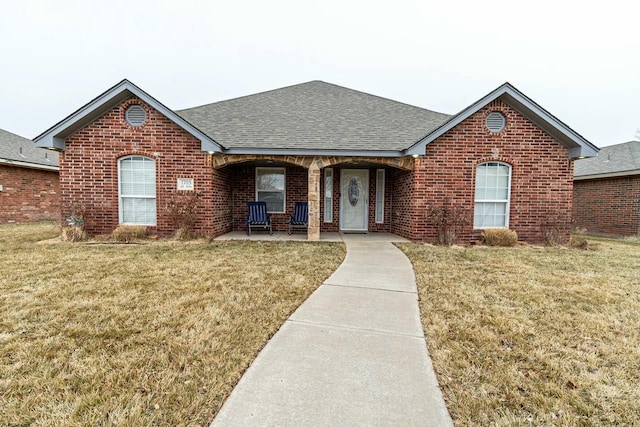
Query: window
[270, 188]
[328, 195]
[493, 185]
[380, 195]
[137, 187]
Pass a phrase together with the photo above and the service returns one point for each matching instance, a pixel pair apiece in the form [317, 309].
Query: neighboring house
[363, 163]
[606, 191]
[29, 182]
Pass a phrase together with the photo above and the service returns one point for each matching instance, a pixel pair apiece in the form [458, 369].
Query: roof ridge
[383, 98]
[309, 82]
[15, 134]
[244, 96]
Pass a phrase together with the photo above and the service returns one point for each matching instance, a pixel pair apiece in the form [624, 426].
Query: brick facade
[89, 170]
[541, 187]
[28, 194]
[541, 180]
[609, 206]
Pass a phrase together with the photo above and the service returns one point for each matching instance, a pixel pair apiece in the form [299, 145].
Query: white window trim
[284, 191]
[380, 189]
[328, 207]
[120, 196]
[508, 200]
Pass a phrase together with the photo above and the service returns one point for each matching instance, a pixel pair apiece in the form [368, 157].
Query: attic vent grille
[495, 121]
[135, 115]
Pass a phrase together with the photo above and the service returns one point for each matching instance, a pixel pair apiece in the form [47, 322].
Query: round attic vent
[135, 115]
[496, 121]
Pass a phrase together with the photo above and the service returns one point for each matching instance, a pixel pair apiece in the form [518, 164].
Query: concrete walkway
[352, 354]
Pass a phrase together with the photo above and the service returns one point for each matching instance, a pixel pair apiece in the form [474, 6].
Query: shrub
[578, 242]
[129, 233]
[73, 229]
[182, 212]
[555, 229]
[449, 222]
[499, 237]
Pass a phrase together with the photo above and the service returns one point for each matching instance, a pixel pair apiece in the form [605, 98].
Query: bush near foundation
[182, 210]
[449, 221]
[499, 237]
[129, 233]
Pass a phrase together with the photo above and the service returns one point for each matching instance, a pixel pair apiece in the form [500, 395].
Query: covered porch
[345, 194]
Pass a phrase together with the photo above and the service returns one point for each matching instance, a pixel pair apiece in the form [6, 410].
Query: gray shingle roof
[314, 115]
[15, 148]
[615, 159]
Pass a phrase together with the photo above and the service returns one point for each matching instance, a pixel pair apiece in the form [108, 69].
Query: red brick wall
[244, 190]
[541, 182]
[89, 170]
[402, 204]
[222, 201]
[28, 194]
[608, 205]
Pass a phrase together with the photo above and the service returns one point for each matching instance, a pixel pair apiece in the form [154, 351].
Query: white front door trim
[354, 217]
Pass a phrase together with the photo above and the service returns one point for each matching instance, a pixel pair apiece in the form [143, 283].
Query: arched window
[137, 190]
[493, 189]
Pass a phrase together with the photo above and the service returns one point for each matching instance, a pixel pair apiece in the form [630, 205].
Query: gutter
[29, 165]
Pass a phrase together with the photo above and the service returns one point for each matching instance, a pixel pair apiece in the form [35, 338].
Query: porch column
[313, 230]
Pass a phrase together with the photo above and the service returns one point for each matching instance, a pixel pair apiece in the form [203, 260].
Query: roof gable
[614, 160]
[19, 151]
[54, 138]
[315, 116]
[578, 146]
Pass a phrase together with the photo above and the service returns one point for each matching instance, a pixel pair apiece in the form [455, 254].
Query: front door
[354, 199]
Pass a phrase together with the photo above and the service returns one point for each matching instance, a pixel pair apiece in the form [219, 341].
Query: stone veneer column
[313, 230]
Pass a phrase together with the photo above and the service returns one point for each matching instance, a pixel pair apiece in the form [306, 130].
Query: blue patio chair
[300, 217]
[258, 217]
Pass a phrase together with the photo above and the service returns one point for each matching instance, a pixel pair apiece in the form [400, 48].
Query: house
[29, 183]
[606, 191]
[363, 163]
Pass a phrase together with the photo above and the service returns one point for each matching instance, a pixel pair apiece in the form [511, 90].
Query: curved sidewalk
[352, 354]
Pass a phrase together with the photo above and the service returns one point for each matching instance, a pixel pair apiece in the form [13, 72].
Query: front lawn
[534, 336]
[140, 334]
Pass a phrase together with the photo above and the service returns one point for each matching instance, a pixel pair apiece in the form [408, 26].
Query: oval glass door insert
[354, 191]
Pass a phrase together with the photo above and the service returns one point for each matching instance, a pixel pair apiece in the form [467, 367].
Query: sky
[580, 60]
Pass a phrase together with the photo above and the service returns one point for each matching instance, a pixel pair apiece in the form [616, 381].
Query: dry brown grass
[138, 335]
[534, 336]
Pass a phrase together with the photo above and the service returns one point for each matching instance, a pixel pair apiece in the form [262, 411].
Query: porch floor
[326, 237]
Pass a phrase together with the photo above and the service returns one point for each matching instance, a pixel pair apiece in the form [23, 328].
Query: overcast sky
[580, 60]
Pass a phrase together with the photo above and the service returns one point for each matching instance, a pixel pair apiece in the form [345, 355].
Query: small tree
[182, 211]
[449, 221]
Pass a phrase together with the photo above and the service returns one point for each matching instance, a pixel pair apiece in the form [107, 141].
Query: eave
[54, 138]
[314, 152]
[578, 146]
[28, 165]
[607, 175]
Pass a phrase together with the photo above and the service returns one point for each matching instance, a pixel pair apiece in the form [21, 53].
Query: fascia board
[55, 136]
[578, 146]
[28, 165]
[303, 152]
[607, 175]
